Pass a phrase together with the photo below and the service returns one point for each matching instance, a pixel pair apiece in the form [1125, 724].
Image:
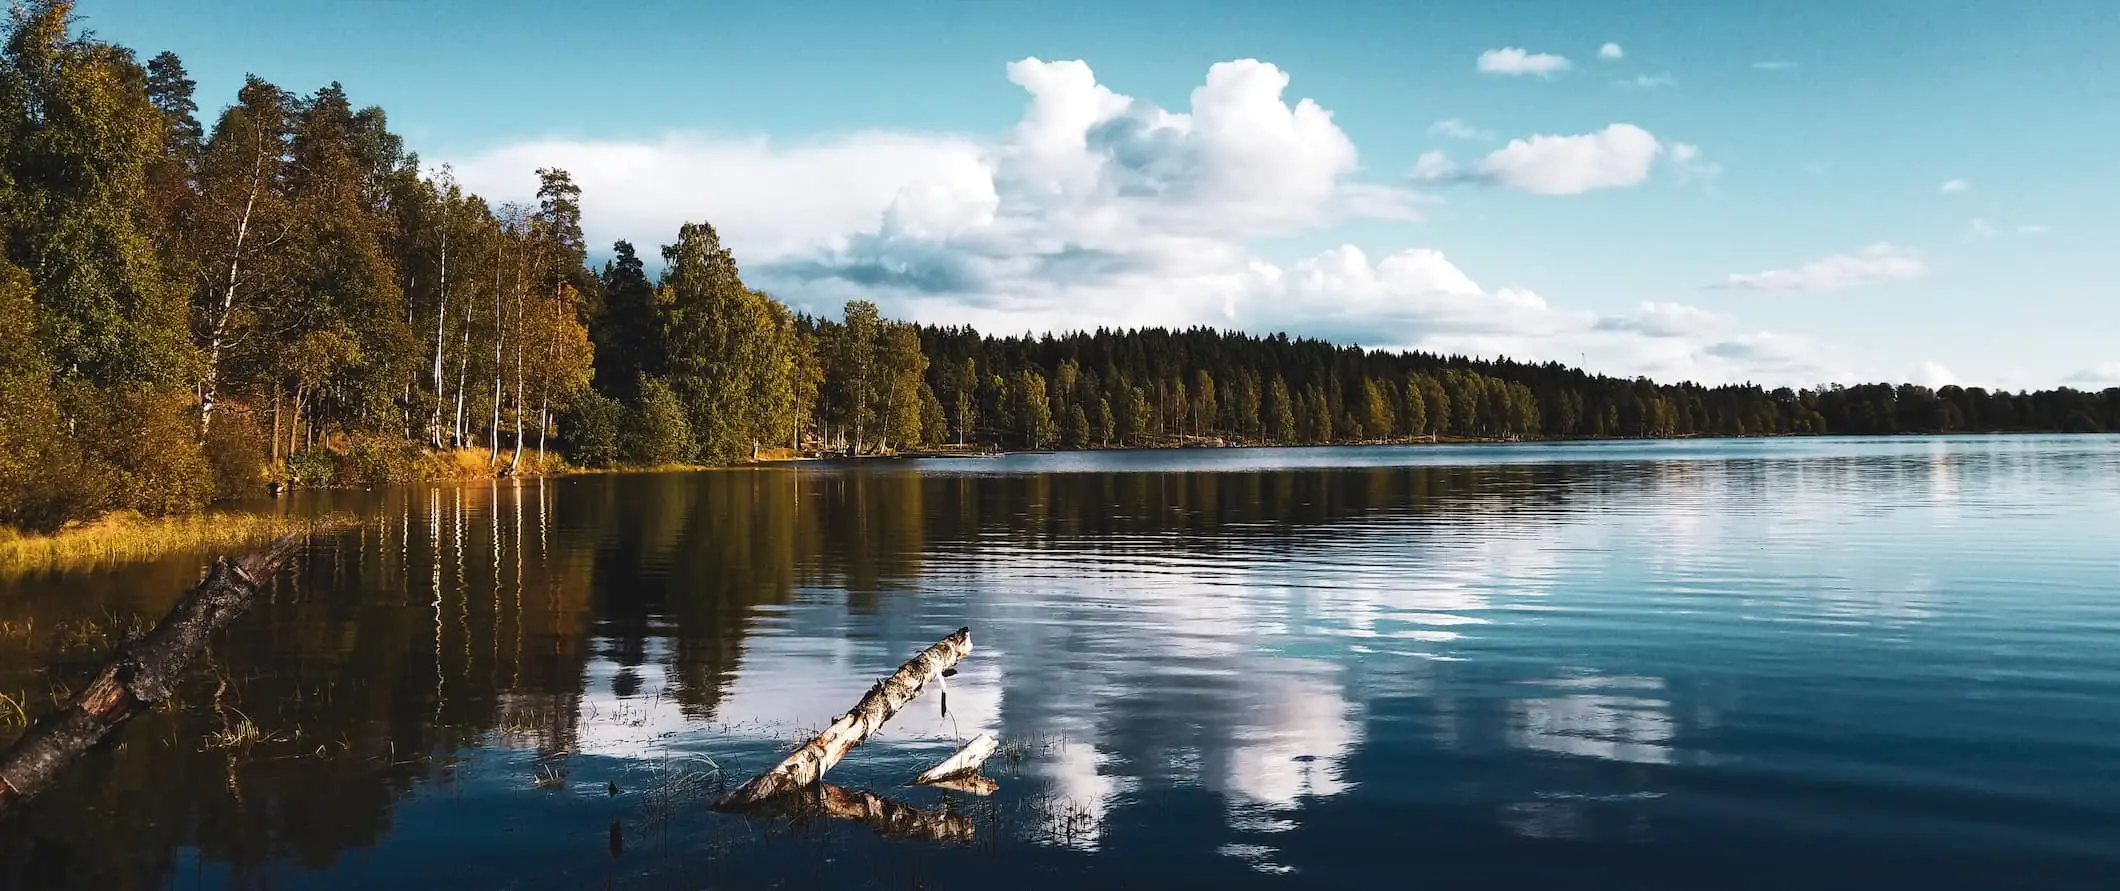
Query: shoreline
[126, 537]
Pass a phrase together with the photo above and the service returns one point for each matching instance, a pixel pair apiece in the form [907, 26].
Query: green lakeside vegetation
[193, 308]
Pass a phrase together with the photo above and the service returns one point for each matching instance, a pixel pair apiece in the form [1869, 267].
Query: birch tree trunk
[441, 332]
[493, 444]
[463, 382]
[517, 459]
[218, 338]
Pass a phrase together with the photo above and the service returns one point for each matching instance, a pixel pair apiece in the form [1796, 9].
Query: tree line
[191, 307]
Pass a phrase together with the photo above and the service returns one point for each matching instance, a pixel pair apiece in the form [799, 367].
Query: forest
[195, 307]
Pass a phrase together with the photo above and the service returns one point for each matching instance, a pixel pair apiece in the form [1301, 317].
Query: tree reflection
[471, 616]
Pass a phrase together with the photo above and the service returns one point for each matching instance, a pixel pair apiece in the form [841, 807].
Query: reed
[129, 537]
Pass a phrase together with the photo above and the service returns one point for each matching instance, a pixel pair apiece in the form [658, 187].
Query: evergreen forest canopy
[189, 308]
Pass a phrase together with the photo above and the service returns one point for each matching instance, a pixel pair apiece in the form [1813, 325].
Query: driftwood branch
[808, 764]
[964, 763]
[139, 674]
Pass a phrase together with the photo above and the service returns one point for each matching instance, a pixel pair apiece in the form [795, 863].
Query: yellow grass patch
[126, 537]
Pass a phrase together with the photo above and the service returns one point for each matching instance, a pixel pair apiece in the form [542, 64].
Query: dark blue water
[1801, 663]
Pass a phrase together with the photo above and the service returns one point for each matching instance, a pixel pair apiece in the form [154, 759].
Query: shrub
[377, 459]
[592, 430]
[312, 466]
[660, 432]
[236, 451]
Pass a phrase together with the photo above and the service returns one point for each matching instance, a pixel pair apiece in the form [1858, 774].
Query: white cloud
[1610, 52]
[1656, 319]
[768, 199]
[1619, 155]
[1880, 262]
[1650, 81]
[2100, 376]
[1097, 208]
[1980, 228]
[1774, 66]
[2031, 229]
[1953, 186]
[1456, 128]
[1931, 373]
[1515, 61]
[1432, 166]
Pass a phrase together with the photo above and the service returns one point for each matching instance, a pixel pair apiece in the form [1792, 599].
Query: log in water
[137, 675]
[809, 763]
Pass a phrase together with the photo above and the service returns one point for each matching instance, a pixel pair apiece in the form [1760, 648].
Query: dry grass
[12, 714]
[243, 733]
[126, 537]
[472, 464]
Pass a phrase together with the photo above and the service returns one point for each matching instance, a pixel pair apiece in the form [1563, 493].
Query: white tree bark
[218, 338]
[964, 763]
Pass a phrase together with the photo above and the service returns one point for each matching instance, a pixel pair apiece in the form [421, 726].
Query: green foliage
[376, 459]
[596, 427]
[311, 467]
[661, 432]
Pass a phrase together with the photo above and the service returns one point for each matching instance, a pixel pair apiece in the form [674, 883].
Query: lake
[1794, 663]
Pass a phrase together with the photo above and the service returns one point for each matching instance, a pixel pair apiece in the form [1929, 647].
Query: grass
[472, 464]
[243, 733]
[128, 537]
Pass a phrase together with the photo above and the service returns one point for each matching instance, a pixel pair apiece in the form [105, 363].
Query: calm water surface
[1817, 663]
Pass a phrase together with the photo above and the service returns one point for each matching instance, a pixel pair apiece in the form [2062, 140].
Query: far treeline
[191, 309]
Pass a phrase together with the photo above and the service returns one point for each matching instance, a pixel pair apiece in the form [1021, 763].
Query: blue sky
[1734, 194]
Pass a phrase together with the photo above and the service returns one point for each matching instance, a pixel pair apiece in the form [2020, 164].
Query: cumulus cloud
[1099, 208]
[1618, 156]
[1650, 81]
[1611, 52]
[1516, 62]
[769, 199]
[1953, 186]
[1880, 262]
[1456, 128]
[1930, 373]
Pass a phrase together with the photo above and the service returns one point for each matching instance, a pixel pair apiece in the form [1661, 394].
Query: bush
[660, 432]
[147, 441]
[378, 459]
[312, 466]
[236, 450]
[592, 430]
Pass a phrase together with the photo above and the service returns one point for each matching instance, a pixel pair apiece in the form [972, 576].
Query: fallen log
[809, 763]
[964, 763]
[139, 674]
